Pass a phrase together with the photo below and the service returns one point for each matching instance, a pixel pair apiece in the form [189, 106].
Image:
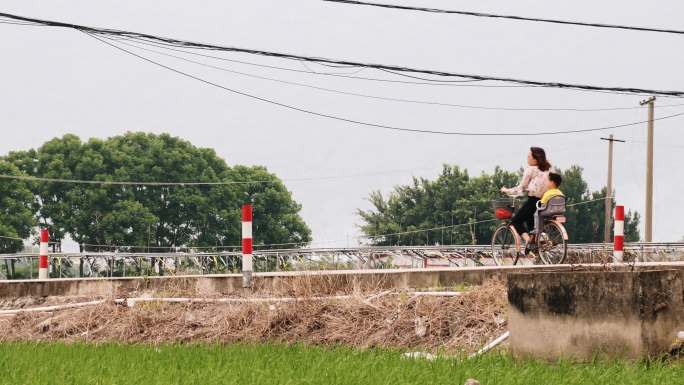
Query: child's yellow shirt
[550, 194]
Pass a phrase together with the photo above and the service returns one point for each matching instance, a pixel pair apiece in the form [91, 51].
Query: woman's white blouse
[534, 182]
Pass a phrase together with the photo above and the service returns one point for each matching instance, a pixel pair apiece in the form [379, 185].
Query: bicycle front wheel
[504, 251]
[551, 244]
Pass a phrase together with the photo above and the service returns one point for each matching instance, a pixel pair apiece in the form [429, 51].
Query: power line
[27, 178]
[191, 44]
[291, 243]
[17, 23]
[346, 76]
[363, 123]
[23, 239]
[257, 247]
[428, 82]
[309, 69]
[589, 201]
[426, 230]
[296, 83]
[123, 183]
[11, 238]
[401, 100]
[168, 47]
[512, 17]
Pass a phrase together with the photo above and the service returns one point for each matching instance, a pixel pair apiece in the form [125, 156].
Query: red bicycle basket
[504, 208]
[502, 213]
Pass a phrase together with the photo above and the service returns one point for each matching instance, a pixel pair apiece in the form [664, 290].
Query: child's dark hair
[556, 178]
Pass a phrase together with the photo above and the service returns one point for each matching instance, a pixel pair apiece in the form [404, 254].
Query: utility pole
[609, 189]
[648, 217]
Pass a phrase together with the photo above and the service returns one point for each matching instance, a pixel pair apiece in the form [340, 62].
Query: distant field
[24, 363]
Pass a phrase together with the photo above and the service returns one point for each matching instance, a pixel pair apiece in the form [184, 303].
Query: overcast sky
[56, 81]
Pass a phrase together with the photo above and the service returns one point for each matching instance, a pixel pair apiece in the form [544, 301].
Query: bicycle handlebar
[513, 195]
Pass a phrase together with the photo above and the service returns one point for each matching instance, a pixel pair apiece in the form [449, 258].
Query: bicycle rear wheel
[503, 246]
[551, 244]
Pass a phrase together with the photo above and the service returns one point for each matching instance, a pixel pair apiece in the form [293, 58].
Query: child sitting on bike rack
[557, 207]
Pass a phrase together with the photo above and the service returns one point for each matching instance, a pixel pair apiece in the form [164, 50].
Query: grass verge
[57, 363]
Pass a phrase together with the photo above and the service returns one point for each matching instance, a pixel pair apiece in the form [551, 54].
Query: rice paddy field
[77, 363]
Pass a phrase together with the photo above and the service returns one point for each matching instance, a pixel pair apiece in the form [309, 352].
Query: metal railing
[126, 264]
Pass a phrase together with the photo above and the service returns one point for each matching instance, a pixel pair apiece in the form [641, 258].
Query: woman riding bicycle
[534, 183]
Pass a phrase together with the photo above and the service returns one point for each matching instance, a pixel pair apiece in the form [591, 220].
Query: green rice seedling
[109, 364]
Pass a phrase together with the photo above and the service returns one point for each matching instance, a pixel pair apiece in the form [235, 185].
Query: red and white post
[247, 245]
[43, 259]
[619, 237]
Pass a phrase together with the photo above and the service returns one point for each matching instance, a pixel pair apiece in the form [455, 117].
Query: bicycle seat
[555, 206]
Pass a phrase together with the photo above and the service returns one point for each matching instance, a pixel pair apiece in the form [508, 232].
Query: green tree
[459, 207]
[16, 215]
[106, 217]
[632, 226]
[455, 203]
[57, 158]
[586, 210]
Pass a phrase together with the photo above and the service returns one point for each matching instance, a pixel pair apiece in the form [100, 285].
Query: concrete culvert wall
[583, 314]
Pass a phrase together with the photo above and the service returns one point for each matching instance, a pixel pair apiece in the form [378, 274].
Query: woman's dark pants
[523, 220]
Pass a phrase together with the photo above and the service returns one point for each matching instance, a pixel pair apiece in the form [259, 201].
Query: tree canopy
[16, 215]
[458, 207]
[103, 217]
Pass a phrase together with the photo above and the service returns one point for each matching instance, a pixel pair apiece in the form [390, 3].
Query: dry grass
[395, 320]
[28, 302]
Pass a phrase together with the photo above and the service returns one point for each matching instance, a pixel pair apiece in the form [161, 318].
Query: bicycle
[550, 245]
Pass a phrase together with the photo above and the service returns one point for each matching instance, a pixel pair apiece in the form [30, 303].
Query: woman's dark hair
[539, 155]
